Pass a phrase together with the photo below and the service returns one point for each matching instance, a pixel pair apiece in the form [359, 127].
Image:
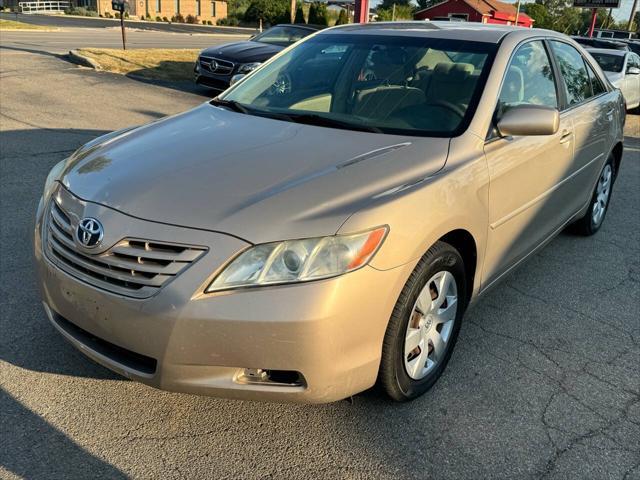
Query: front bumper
[329, 331]
[209, 79]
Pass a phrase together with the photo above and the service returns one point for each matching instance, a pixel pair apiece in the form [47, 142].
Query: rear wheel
[593, 219]
[424, 325]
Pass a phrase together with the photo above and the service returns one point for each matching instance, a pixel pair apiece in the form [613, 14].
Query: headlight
[54, 175]
[295, 261]
[248, 67]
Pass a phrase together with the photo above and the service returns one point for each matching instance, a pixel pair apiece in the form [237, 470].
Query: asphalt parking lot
[544, 382]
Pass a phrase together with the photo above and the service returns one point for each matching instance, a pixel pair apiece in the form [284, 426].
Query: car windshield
[380, 83]
[282, 35]
[609, 62]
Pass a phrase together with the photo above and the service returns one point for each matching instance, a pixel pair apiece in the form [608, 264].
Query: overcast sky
[618, 13]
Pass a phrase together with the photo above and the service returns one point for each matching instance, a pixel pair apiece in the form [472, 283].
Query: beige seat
[452, 82]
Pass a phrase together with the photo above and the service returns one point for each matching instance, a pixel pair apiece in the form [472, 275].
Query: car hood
[243, 52]
[257, 178]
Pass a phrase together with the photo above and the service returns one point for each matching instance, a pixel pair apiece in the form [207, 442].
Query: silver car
[324, 224]
[622, 68]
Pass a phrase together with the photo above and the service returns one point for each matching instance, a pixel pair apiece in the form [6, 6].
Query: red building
[484, 11]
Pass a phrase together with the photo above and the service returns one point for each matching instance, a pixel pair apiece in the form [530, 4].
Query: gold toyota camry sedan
[323, 225]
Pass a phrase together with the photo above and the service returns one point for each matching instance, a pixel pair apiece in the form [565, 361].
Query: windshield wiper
[231, 105]
[304, 118]
[322, 121]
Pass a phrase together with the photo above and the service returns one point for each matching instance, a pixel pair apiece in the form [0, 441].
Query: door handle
[566, 136]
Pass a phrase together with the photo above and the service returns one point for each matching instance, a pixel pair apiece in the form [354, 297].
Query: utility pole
[517, 12]
[594, 17]
[633, 12]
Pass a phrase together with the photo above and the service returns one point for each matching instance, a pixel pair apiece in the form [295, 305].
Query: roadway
[66, 21]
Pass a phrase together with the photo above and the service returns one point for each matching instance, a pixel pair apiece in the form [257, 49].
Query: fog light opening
[285, 378]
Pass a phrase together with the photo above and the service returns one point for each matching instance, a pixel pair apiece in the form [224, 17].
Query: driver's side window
[529, 79]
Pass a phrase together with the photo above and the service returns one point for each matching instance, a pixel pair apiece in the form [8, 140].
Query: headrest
[454, 71]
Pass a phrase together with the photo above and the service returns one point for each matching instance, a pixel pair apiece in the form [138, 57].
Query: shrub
[343, 19]
[191, 19]
[158, 19]
[269, 11]
[108, 15]
[209, 22]
[299, 14]
[165, 19]
[318, 14]
[177, 18]
[81, 11]
[229, 21]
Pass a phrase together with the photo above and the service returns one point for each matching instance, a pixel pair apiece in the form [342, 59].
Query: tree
[318, 14]
[422, 4]
[402, 12]
[299, 14]
[343, 19]
[388, 4]
[269, 11]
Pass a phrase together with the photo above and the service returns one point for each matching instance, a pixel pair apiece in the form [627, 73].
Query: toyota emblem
[89, 232]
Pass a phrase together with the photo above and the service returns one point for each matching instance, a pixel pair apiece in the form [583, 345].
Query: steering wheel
[448, 106]
[282, 85]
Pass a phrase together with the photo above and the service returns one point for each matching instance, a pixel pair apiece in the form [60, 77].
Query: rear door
[526, 199]
[591, 108]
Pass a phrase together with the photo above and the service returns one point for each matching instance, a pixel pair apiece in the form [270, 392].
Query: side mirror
[633, 71]
[236, 78]
[529, 120]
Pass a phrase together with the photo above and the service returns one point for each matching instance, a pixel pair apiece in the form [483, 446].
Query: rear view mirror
[633, 71]
[236, 78]
[529, 120]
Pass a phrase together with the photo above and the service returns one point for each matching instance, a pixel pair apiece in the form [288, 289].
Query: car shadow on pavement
[178, 70]
[34, 51]
[28, 340]
[33, 448]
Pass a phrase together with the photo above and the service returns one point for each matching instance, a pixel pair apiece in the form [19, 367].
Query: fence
[50, 6]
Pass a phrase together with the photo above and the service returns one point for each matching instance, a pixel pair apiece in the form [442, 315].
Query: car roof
[608, 51]
[308, 26]
[479, 32]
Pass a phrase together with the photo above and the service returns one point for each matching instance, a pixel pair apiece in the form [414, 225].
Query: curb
[80, 59]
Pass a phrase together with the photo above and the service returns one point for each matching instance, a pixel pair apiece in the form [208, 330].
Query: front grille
[222, 67]
[132, 267]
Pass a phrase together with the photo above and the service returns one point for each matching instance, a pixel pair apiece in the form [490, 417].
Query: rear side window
[574, 72]
[596, 84]
[529, 79]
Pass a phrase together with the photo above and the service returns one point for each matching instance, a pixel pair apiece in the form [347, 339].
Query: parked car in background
[623, 71]
[217, 65]
[324, 223]
[633, 45]
[593, 42]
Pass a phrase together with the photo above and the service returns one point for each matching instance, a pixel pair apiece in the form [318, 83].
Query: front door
[527, 173]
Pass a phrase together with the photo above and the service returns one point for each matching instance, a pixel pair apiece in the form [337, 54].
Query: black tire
[393, 376]
[587, 225]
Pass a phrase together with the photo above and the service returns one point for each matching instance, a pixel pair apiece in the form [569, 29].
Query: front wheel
[593, 219]
[424, 326]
